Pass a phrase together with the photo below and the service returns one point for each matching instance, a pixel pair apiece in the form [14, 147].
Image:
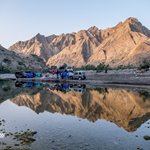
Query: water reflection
[126, 108]
[28, 84]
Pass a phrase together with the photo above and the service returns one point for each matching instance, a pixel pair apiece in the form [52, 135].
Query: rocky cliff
[126, 43]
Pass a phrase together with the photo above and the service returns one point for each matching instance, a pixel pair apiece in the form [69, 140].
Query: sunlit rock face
[127, 109]
[124, 44]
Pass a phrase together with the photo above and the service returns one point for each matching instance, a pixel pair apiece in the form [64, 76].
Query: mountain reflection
[126, 108]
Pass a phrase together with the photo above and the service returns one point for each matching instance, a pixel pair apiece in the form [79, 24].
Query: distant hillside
[126, 43]
[10, 61]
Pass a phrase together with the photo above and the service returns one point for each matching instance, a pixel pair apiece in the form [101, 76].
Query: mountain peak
[38, 35]
[136, 26]
[93, 28]
[132, 20]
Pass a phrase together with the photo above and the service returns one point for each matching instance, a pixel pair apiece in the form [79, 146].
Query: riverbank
[95, 79]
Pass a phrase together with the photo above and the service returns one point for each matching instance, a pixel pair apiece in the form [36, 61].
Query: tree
[145, 65]
[102, 67]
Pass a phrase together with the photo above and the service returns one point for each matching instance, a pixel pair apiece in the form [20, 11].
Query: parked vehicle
[53, 70]
[38, 75]
[25, 74]
[79, 75]
[19, 75]
[64, 75]
[70, 75]
[61, 69]
[69, 69]
[29, 74]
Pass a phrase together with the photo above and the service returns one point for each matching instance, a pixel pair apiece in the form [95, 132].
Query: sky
[20, 20]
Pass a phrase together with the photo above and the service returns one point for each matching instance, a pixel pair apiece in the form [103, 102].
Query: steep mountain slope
[92, 105]
[42, 46]
[124, 46]
[126, 43]
[10, 61]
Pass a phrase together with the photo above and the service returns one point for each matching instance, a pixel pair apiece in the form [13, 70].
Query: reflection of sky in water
[60, 131]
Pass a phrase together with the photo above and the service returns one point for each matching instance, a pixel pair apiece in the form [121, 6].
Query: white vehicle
[71, 74]
[80, 75]
[69, 69]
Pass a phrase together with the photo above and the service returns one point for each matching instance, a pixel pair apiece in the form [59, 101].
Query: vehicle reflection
[64, 87]
[28, 84]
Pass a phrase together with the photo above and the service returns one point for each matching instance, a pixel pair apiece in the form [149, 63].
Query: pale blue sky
[22, 19]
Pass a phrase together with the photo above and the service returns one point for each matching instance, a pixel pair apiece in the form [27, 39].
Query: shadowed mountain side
[126, 109]
[11, 61]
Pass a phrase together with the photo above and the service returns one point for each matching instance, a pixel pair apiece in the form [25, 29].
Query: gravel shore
[127, 77]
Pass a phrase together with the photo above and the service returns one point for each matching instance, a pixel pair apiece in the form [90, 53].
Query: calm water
[73, 117]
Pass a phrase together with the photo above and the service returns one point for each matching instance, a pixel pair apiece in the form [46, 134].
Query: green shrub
[45, 69]
[145, 95]
[6, 60]
[102, 67]
[145, 65]
[6, 88]
[86, 67]
[102, 90]
[121, 67]
[64, 65]
[4, 69]
[21, 63]
[37, 58]
[89, 67]
[99, 68]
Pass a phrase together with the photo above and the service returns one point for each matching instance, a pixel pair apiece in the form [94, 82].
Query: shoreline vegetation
[96, 75]
[101, 67]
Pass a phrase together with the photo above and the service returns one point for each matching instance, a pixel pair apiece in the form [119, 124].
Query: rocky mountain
[126, 43]
[92, 105]
[42, 46]
[11, 61]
